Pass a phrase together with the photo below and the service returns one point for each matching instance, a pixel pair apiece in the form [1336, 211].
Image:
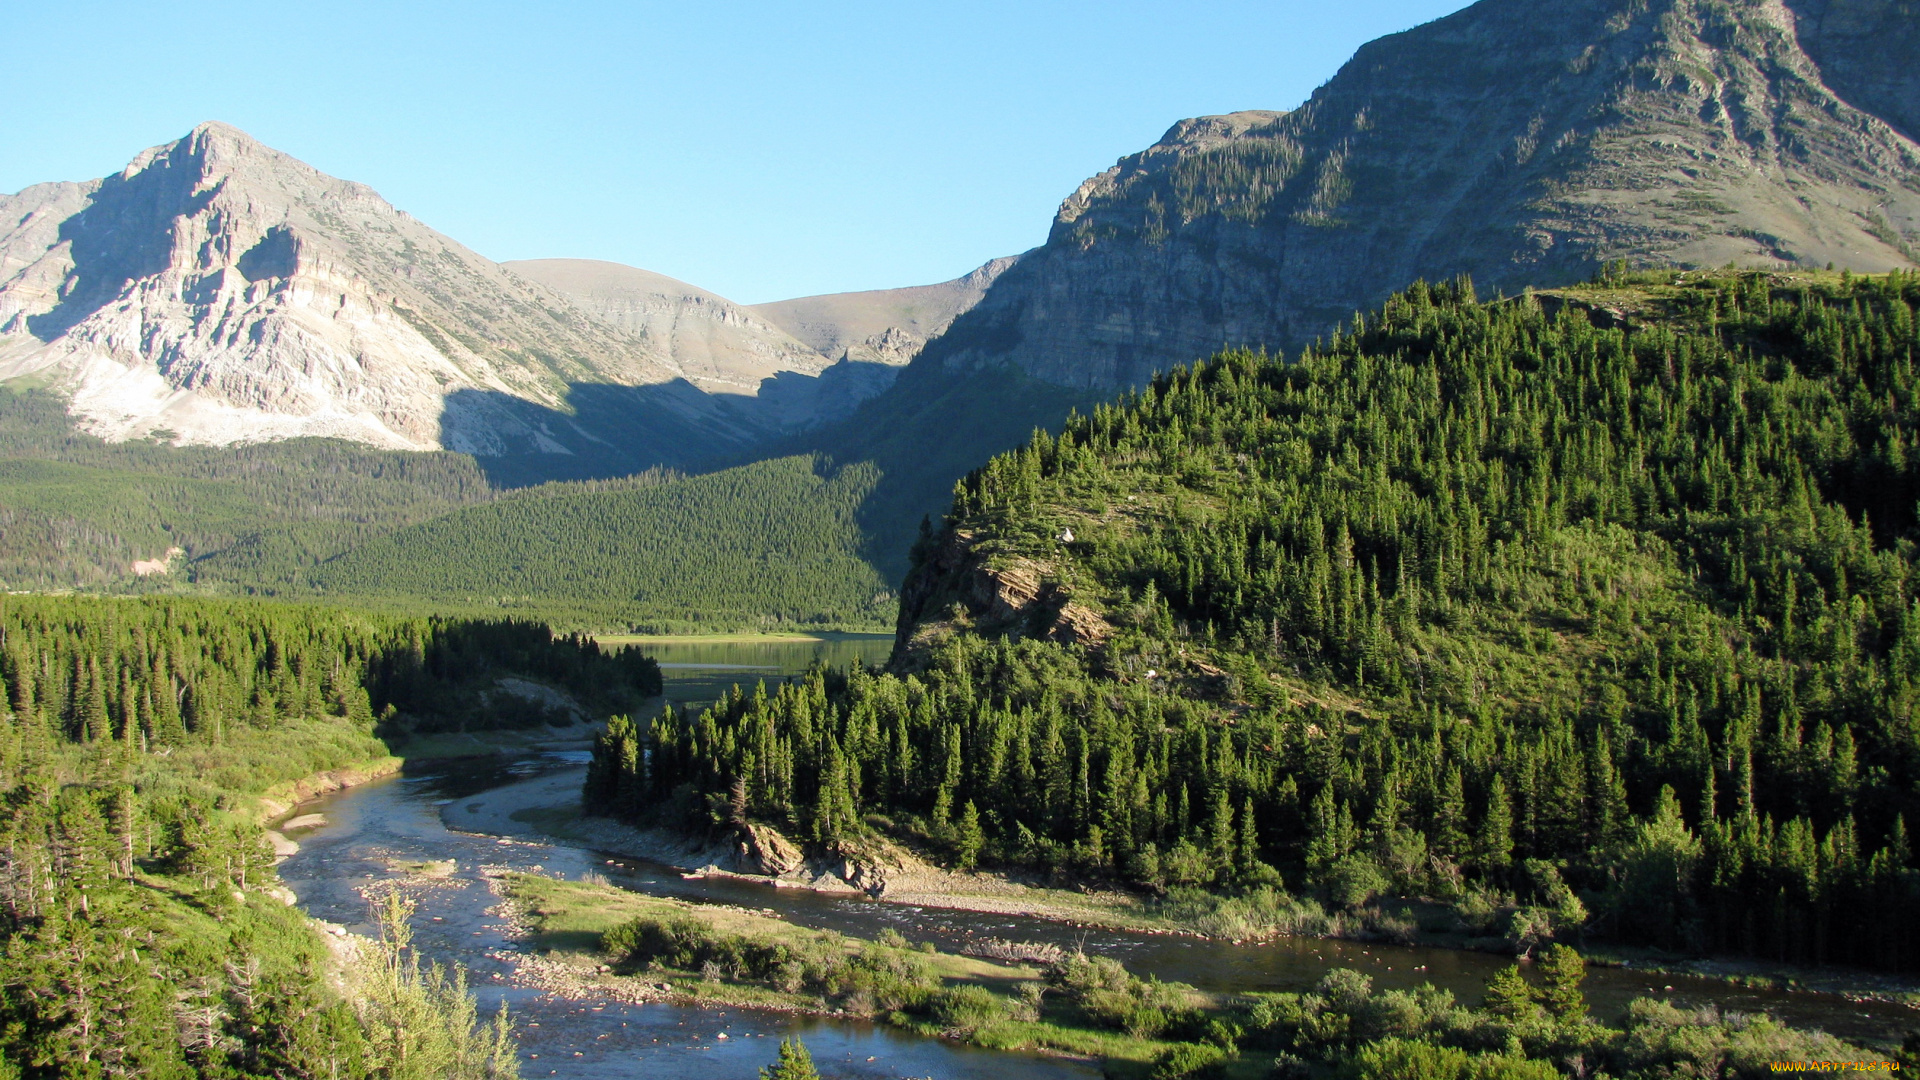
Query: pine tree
[1493, 843]
[1562, 969]
[971, 838]
[1510, 996]
[795, 1063]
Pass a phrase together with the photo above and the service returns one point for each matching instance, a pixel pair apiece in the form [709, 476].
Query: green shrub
[1109, 996]
[1407, 1059]
[968, 1008]
[1185, 1060]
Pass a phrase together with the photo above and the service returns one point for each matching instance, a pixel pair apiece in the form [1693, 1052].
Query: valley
[1417, 584]
[549, 967]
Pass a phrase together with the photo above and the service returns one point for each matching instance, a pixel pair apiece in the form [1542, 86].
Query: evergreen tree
[1561, 970]
[795, 1063]
[1510, 996]
[970, 839]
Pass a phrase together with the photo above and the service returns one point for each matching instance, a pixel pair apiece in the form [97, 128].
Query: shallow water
[699, 672]
[399, 819]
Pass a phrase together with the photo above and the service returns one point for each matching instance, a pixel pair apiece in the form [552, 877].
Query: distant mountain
[217, 291]
[886, 326]
[1521, 143]
[783, 373]
[722, 347]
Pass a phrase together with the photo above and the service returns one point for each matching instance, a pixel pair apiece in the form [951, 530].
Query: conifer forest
[141, 934]
[1597, 628]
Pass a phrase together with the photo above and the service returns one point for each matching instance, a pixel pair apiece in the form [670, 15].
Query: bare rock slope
[787, 365]
[1523, 143]
[756, 369]
[218, 291]
[885, 326]
[722, 347]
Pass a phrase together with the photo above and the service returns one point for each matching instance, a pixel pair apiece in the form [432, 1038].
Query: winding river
[372, 828]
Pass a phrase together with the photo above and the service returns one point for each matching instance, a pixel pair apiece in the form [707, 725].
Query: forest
[1589, 613]
[76, 512]
[770, 545]
[137, 737]
[774, 544]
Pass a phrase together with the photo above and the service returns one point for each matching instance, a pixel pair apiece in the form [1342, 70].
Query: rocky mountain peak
[217, 290]
[1522, 144]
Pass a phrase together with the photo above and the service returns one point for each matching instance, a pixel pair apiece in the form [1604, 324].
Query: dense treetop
[1592, 609]
[773, 543]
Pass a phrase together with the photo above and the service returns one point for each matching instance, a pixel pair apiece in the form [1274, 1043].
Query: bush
[1354, 880]
[1407, 1059]
[1289, 1067]
[877, 977]
[1197, 1060]
[1706, 1042]
[1109, 996]
[967, 1008]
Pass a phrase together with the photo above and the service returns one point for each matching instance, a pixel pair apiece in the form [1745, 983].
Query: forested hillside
[769, 544]
[931, 427]
[1590, 612]
[777, 542]
[77, 512]
[136, 737]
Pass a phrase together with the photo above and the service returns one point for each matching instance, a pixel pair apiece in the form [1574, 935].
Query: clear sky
[761, 150]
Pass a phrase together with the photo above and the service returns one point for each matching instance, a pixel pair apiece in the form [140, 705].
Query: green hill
[771, 543]
[1591, 612]
[777, 542]
[141, 743]
[77, 512]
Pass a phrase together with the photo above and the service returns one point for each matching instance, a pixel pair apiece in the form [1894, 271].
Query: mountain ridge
[223, 291]
[1520, 149]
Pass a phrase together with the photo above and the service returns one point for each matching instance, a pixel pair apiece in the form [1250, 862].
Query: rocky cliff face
[218, 291]
[1519, 142]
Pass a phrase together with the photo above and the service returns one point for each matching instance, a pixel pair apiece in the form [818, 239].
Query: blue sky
[761, 150]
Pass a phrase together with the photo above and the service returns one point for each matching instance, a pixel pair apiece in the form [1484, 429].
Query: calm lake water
[699, 672]
[399, 819]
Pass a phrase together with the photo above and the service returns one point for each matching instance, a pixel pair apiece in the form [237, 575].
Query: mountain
[217, 291]
[783, 379]
[1522, 145]
[887, 326]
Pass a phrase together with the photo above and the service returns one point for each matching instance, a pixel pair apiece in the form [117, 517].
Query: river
[400, 819]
